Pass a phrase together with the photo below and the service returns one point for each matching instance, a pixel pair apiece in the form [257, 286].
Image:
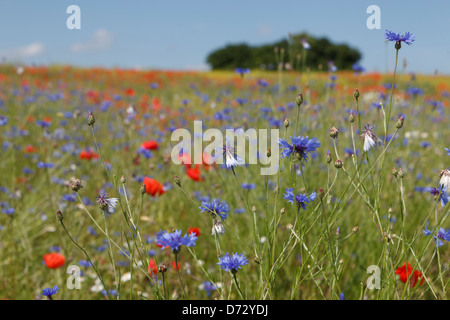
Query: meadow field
[93, 203]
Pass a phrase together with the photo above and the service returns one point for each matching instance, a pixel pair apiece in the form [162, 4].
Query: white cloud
[28, 51]
[102, 39]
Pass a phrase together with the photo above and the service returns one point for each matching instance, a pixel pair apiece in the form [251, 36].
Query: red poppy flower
[88, 155]
[153, 187]
[406, 271]
[150, 145]
[194, 230]
[176, 266]
[129, 92]
[194, 173]
[54, 260]
[156, 104]
[152, 268]
[30, 149]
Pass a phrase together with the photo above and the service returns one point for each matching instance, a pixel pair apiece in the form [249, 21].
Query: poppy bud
[321, 193]
[399, 123]
[351, 117]
[91, 119]
[143, 189]
[329, 159]
[59, 216]
[299, 100]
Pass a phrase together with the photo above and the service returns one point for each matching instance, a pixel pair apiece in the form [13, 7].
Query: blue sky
[180, 34]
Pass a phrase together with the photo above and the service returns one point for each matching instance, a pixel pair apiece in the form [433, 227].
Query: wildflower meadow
[109, 192]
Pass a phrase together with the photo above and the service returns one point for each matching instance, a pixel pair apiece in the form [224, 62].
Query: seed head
[334, 132]
[338, 164]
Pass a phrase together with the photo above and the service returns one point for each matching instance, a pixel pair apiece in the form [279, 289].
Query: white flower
[445, 179]
[218, 228]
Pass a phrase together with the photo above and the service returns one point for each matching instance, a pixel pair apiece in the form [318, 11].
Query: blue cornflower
[302, 200]
[248, 186]
[441, 195]
[301, 146]
[208, 287]
[232, 263]
[41, 164]
[8, 210]
[84, 263]
[50, 292]
[342, 296]
[242, 71]
[3, 120]
[174, 240]
[215, 207]
[407, 38]
[358, 68]
[448, 151]
[441, 234]
[108, 205]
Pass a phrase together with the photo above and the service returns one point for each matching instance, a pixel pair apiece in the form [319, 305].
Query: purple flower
[301, 146]
[174, 240]
[441, 195]
[108, 205]
[242, 71]
[441, 234]
[3, 120]
[50, 292]
[233, 263]
[216, 208]
[407, 38]
[41, 164]
[448, 151]
[302, 200]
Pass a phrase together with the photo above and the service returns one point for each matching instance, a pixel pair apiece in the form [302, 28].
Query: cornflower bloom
[49, 292]
[370, 139]
[108, 205]
[440, 235]
[441, 195]
[216, 208]
[174, 240]
[232, 263]
[407, 38]
[302, 200]
[444, 178]
[301, 146]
